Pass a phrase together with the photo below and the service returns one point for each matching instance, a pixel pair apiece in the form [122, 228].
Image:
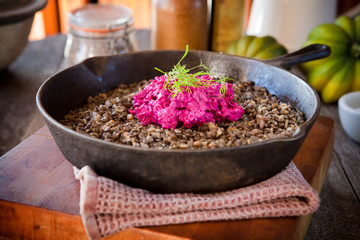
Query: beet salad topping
[156, 104]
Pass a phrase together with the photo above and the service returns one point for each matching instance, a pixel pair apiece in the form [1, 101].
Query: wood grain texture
[142, 234]
[347, 151]
[312, 160]
[36, 174]
[339, 214]
[339, 211]
[18, 221]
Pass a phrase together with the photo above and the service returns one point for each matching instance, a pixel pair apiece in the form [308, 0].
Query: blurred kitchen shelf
[53, 18]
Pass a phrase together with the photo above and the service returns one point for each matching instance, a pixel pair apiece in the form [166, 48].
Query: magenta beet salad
[180, 97]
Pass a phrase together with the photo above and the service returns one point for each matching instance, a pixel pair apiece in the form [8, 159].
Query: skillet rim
[298, 134]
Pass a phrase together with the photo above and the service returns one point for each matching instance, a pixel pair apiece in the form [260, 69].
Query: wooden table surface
[38, 181]
[338, 216]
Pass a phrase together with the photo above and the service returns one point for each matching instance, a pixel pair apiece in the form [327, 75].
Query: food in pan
[180, 97]
[208, 113]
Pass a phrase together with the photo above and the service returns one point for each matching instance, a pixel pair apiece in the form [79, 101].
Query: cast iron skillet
[171, 171]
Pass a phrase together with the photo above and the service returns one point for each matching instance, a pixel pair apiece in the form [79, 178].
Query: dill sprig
[180, 79]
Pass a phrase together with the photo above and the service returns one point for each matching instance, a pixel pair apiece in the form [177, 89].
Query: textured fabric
[107, 206]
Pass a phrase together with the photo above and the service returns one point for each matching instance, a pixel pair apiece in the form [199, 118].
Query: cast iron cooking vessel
[171, 171]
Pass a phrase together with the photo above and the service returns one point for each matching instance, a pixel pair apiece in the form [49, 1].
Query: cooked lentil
[106, 116]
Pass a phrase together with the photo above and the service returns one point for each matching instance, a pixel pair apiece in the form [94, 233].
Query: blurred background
[53, 18]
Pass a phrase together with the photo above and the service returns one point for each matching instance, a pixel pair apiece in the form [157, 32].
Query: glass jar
[99, 30]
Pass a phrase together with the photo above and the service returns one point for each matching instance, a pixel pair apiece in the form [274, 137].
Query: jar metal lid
[100, 18]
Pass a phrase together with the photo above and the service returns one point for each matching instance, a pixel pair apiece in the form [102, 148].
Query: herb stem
[180, 79]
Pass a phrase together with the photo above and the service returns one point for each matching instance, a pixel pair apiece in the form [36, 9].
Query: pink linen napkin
[107, 206]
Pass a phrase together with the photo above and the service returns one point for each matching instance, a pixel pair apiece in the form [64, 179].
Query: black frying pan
[166, 171]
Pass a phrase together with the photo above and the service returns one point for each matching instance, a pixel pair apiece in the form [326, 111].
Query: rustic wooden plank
[339, 214]
[37, 174]
[20, 119]
[347, 150]
[37, 161]
[142, 234]
[312, 160]
[264, 228]
[45, 174]
[321, 153]
[18, 221]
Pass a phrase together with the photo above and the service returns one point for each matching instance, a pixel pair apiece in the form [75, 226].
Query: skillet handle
[308, 53]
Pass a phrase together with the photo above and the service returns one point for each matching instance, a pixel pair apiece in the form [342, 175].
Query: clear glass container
[99, 30]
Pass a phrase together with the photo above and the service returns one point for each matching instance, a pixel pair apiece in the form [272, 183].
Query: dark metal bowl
[16, 18]
[166, 171]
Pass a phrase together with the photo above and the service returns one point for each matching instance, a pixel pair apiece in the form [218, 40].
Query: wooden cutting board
[39, 196]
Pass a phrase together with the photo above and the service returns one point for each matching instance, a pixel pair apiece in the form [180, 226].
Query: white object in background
[349, 112]
[289, 21]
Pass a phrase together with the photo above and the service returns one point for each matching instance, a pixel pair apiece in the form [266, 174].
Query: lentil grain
[106, 116]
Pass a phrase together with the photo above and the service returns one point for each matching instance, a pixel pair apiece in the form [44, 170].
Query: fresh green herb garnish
[180, 79]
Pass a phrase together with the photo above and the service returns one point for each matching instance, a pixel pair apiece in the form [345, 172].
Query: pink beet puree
[156, 104]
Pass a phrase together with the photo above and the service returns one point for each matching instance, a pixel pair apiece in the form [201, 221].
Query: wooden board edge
[143, 234]
[42, 220]
[318, 180]
[20, 221]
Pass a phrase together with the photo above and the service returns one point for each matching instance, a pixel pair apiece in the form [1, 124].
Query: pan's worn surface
[166, 171]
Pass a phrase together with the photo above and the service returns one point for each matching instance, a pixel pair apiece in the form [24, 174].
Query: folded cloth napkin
[107, 206]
